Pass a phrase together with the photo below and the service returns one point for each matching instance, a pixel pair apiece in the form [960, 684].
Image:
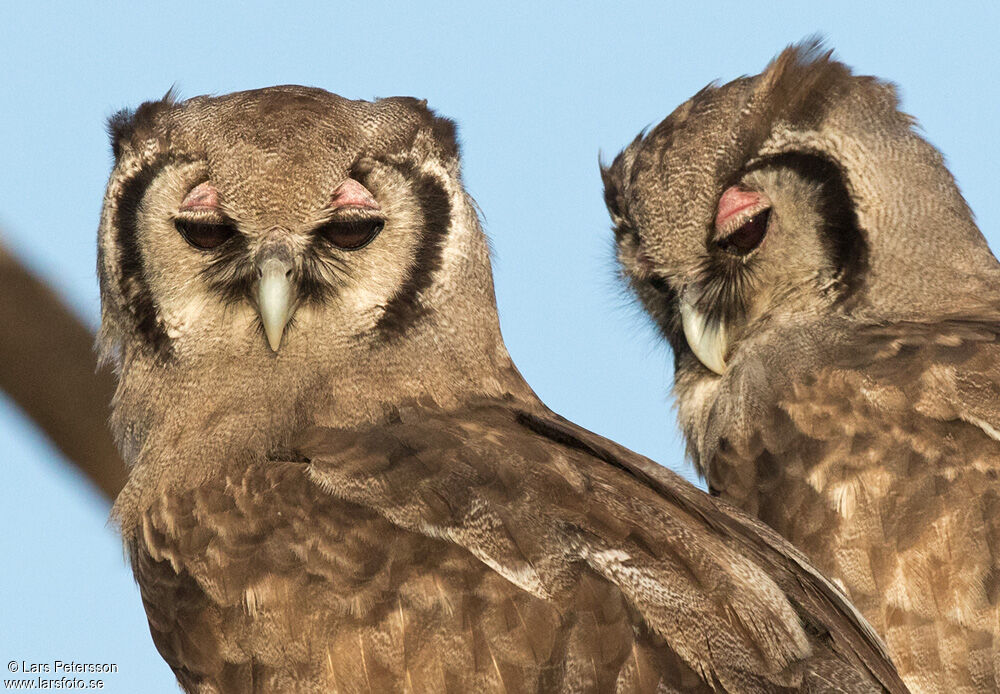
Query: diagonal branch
[47, 365]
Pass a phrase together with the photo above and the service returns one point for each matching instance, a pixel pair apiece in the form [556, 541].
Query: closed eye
[351, 234]
[205, 235]
[747, 236]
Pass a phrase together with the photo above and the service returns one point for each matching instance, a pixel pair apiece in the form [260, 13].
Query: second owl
[834, 314]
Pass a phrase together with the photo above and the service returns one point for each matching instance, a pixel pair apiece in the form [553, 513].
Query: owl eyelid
[738, 220]
[351, 213]
[203, 215]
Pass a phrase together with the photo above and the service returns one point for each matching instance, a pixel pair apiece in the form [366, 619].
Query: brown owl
[339, 481]
[834, 315]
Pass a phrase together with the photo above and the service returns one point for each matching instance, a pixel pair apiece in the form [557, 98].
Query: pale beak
[705, 336]
[274, 299]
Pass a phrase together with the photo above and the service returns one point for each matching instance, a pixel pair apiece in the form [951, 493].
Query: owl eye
[747, 236]
[351, 234]
[205, 235]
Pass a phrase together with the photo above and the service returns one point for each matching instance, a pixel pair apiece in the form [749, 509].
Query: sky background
[537, 92]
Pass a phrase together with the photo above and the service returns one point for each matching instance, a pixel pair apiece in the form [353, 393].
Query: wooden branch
[48, 366]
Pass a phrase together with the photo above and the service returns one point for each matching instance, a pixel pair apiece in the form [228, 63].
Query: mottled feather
[376, 501]
[446, 550]
[857, 411]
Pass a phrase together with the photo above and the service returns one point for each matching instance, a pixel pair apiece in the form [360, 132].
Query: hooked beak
[705, 336]
[274, 298]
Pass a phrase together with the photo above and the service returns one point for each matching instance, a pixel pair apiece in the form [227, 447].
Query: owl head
[764, 220]
[285, 253]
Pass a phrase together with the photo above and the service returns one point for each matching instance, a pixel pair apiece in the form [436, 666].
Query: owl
[340, 482]
[834, 313]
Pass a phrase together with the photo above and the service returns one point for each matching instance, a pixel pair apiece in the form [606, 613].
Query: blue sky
[537, 92]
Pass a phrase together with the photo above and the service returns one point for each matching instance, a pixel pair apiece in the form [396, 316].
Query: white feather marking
[845, 497]
[180, 319]
[608, 556]
[982, 424]
[252, 601]
[521, 574]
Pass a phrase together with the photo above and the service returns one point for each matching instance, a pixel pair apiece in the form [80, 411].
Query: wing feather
[489, 550]
[537, 499]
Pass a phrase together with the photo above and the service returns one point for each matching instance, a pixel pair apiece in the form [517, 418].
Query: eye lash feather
[322, 272]
[229, 270]
[725, 288]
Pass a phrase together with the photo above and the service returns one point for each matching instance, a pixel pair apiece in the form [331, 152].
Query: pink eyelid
[350, 193]
[733, 201]
[203, 196]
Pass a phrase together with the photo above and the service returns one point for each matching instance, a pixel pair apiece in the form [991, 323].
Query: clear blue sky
[537, 92]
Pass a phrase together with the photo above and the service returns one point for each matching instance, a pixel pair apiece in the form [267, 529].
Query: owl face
[282, 258]
[273, 224]
[773, 248]
[737, 218]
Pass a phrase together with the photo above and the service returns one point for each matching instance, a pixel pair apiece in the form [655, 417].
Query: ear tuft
[614, 198]
[127, 125]
[801, 82]
[441, 131]
[445, 132]
[615, 179]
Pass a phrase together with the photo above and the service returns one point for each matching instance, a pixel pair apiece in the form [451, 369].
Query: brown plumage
[339, 480]
[834, 314]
